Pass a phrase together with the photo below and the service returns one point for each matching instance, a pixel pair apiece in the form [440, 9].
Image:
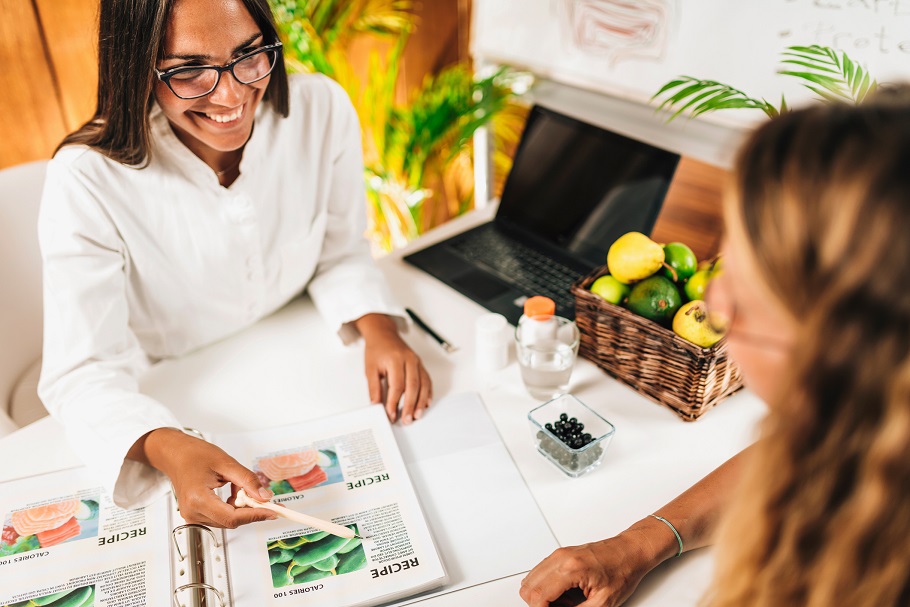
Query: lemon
[691, 323]
[633, 257]
[697, 285]
[610, 289]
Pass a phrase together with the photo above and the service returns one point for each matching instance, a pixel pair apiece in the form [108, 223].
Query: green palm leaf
[699, 96]
[831, 76]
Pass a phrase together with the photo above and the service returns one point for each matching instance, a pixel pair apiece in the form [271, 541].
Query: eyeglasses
[194, 81]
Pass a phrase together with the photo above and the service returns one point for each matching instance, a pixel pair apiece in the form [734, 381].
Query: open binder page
[64, 542]
[346, 469]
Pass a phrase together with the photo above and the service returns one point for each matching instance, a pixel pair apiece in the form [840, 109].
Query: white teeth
[226, 117]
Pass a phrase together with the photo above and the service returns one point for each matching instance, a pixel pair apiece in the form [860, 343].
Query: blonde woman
[816, 284]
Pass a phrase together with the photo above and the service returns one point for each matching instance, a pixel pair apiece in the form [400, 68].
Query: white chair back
[20, 292]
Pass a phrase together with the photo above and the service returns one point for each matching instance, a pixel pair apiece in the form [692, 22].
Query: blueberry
[549, 427]
[587, 437]
[580, 426]
[563, 417]
[573, 420]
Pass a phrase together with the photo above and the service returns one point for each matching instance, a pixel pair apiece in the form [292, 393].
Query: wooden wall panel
[441, 38]
[71, 29]
[31, 122]
[692, 211]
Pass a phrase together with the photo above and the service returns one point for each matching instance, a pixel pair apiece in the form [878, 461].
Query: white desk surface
[290, 367]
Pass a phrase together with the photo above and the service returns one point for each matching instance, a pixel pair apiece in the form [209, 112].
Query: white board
[630, 48]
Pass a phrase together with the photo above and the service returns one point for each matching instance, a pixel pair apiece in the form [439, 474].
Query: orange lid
[539, 306]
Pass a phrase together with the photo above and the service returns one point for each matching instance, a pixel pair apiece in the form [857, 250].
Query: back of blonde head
[822, 199]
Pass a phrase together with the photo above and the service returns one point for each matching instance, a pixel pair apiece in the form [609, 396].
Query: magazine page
[65, 544]
[346, 469]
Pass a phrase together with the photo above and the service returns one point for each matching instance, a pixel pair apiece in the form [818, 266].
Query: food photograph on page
[307, 558]
[299, 469]
[48, 524]
[83, 596]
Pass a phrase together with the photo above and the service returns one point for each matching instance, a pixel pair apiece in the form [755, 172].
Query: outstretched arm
[609, 571]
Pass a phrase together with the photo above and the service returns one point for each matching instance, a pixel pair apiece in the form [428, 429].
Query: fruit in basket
[697, 285]
[610, 289]
[656, 298]
[692, 324]
[681, 258]
[633, 257]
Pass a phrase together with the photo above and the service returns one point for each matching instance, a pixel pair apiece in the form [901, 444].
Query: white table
[291, 367]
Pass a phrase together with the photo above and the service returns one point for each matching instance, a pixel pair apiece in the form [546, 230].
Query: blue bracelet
[675, 532]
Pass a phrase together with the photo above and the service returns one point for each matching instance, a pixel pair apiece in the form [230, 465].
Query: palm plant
[418, 154]
[832, 77]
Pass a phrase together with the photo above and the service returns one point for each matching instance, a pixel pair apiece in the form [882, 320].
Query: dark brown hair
[821, 206]
[130, 37]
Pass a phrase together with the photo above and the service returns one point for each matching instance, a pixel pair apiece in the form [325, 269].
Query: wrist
[155, 447]
[375, 325]
[654, 538]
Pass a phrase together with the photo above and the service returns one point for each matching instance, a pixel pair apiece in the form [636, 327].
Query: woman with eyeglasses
[208, 190]
[815, 287]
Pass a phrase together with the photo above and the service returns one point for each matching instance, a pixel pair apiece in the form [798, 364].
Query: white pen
[245, 501]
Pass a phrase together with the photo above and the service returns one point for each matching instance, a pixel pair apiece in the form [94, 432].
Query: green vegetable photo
[307, 558]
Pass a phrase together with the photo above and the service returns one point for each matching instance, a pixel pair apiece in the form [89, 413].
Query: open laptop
[574, 188]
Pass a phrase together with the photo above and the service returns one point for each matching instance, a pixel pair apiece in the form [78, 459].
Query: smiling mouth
[224, 118]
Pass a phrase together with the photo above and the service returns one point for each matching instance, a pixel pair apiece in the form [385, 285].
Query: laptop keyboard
[529, 270]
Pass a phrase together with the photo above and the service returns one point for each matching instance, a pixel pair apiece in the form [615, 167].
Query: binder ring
[191, 526]
[198, 585]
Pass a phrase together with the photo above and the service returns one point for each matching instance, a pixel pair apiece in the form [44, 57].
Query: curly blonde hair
[822, 196]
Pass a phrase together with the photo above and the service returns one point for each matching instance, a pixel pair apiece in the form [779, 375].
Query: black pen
[417, 321]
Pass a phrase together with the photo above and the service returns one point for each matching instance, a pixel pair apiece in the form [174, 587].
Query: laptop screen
[580, 187]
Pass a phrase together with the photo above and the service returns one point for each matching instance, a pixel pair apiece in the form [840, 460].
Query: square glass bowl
[572, 461]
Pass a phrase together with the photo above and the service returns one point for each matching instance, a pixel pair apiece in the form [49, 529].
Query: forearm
[695, 514]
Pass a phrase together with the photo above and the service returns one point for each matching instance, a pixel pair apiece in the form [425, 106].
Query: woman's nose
[228, 92]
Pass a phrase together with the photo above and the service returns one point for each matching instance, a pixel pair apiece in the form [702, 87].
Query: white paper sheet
[484, 519]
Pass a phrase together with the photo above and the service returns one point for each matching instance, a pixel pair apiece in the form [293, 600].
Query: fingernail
[418, 414]
[272, 517]
[265, 493]
[407, 419]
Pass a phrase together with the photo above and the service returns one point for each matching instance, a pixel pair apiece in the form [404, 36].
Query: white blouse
[144, 264]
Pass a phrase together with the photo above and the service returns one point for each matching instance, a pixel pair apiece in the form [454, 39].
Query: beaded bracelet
[675, 532]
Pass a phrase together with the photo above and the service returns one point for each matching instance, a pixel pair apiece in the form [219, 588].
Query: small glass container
[573, 461]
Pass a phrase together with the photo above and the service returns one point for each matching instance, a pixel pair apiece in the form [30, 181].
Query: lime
[656, 298]
[691, 323]
[610, 289]
[697, 284]
[634, 256]
[681, 258]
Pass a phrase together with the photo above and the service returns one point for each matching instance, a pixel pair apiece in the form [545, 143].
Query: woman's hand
[607, 572]
[196, 468]
[388, 358]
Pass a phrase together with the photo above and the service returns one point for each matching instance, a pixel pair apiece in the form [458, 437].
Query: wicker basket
[651, 359]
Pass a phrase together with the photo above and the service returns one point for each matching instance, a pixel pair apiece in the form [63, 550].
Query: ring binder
[198, 585]
[355, 477]
[199, 564]
[174, 531]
